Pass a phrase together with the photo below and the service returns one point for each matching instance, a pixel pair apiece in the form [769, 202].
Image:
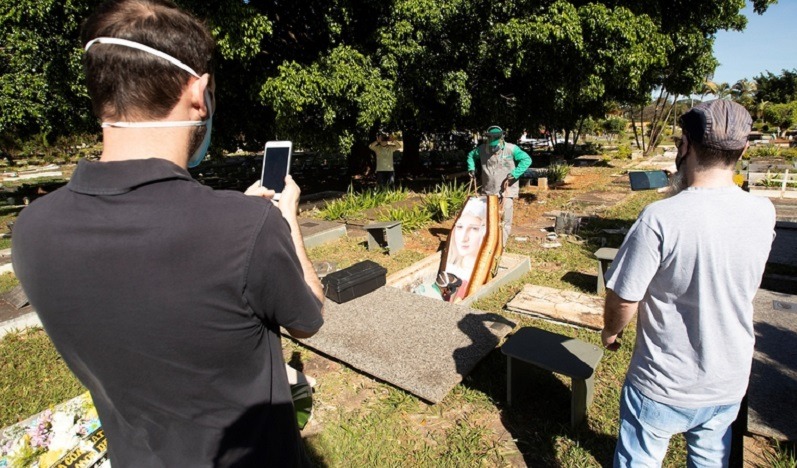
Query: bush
[624, 151]
[411, 219]
[353, 203]
[446, 200]
[557, 172]
[767, 151]
[789, 153]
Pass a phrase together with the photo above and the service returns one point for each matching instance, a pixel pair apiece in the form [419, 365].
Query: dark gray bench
[560, 354]
[605, 257]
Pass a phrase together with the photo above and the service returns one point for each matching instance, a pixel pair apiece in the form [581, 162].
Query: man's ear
[746, 147]
[197, 89]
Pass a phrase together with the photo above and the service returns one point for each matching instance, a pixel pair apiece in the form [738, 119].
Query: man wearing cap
[690, 267]
[502, 164]
[163, 296]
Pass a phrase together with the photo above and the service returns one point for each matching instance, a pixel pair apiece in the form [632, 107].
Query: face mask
[202, 149]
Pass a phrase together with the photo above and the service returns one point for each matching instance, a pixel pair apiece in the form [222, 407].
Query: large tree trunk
[411, 158]
[361, 161]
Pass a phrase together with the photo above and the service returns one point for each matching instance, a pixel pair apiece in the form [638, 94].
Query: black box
[354, 281]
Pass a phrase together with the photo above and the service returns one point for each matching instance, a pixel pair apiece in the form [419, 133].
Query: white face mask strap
[157, 124]
[136, 45]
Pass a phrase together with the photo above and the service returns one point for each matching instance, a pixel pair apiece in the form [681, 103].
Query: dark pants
[385, 178]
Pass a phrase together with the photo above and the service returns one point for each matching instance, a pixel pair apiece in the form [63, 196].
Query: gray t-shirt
[694, 262]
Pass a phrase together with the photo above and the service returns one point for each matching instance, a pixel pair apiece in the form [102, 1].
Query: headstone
[567, 223]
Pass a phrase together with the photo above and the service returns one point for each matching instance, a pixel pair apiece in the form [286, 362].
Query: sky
[768, 43]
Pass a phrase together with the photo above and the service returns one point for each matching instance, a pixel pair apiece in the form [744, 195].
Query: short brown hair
[713, 157]
[130, 84]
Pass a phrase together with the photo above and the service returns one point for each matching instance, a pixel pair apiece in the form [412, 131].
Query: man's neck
[715, 177]
[123, 144]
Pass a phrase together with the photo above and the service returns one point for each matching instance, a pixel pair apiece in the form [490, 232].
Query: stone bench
[556, 353]
[605, 257]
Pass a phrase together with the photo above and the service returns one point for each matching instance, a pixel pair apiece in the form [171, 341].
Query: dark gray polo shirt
[165, 298]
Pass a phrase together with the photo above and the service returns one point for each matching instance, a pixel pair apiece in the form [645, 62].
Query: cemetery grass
[360, 421]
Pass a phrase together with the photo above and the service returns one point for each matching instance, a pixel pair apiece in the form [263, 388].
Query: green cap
[494, 135]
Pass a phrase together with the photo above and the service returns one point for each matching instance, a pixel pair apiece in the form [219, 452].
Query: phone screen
[275, 168]
[647, 180]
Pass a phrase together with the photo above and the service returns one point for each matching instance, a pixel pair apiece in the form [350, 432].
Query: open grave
[419, 344]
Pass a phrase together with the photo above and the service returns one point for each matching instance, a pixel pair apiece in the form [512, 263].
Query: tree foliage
[329, 73]
[781, 115]
[777, 89]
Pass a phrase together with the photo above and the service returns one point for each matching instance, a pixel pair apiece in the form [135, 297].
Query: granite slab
[773, 378]
[419, 344]
[572, 307]
[317, 232]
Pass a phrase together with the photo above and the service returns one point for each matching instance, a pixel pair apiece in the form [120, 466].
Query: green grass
[33, 376]
[363, 422]
[350, 250]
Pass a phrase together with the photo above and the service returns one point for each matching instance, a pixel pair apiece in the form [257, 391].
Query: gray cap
[720, 124]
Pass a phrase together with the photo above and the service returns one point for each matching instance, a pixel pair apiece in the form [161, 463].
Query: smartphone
[276, 164]
[647, 180]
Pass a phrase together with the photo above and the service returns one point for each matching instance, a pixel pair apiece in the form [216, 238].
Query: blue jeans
[646, 427]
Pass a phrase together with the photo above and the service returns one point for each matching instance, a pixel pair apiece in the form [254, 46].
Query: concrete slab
[27, 320]
[416, 343]
[773, 379]
[317, 231]
[784, 247]
[601, 199]
[571, 307]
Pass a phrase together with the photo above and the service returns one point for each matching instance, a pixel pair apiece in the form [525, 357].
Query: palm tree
[744, 92]
[759, 109]
[719, 90]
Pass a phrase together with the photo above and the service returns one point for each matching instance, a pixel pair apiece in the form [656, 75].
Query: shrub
[624, 151]
[446, 200]
[767, 151]
[351, 204]
[557, 172]
[411, 219]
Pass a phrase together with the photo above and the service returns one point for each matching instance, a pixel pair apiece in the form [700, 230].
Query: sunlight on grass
[33, 376]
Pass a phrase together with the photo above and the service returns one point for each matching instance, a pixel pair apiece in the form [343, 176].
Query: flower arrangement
[68, 434]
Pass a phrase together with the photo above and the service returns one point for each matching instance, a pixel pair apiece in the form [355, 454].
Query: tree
[719, 90]
[777, 89]
[41, 95]
[781, 115]
[743, 92]
[328, 73]
[614, 126]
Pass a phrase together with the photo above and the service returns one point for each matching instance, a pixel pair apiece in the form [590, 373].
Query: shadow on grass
[586, 283]
[539, 418]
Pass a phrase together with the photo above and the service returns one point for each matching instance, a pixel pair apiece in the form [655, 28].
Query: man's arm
[617, 314]
[288, 206]
[522, 162]
[472, 158]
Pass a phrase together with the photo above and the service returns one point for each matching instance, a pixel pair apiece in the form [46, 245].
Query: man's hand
[256, 190]
[289, 200]
[611, 342]
[507, 182]
[472, 175]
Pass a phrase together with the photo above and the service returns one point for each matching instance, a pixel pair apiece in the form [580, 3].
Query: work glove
[472, 175]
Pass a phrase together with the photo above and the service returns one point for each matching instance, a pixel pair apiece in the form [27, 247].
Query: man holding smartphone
[164, 296]
[682, 271]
